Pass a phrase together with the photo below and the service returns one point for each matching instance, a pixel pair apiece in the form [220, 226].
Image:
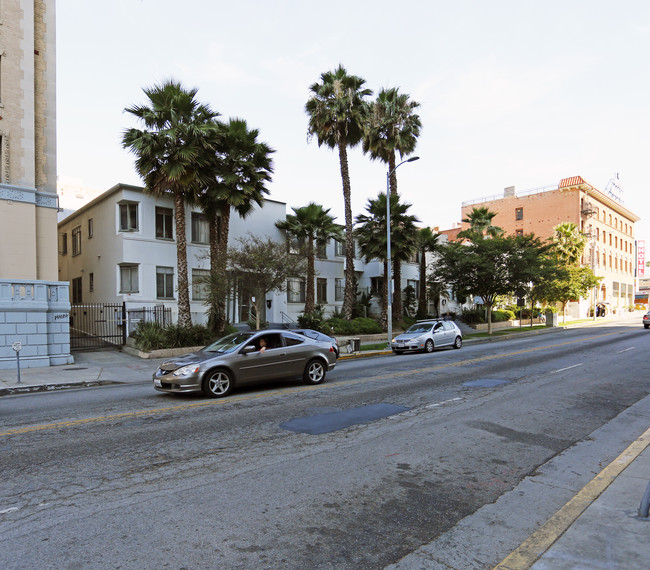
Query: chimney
[509, 192]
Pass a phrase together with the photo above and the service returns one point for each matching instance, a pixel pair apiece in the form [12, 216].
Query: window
[200, 285]
[91, 282]
[296, 291]
[165, 282]
[519, 214]
[339, 289]
[415, 285]
[377, 285]
[321, 290]
[321, 250]
[76, 240]
[63, 244]
[200, 228]
[76, 290]
[339, 248]
[164, 225]
[91, 228]
[128, 278]
[519, 232]
[128, 217]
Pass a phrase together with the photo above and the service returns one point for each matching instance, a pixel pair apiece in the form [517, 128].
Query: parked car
[426, 335]
[244, 358]
[646, 320]
[315, 335]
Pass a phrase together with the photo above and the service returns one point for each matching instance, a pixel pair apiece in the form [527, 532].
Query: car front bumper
[170, 383]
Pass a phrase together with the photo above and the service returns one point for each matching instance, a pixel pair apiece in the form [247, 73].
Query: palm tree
[480, 221]
[392, 127]
[337, 114]
[427, 242]
[313, 225]
[569, 242]
[173, 153]
[372, 236]
[241, 168]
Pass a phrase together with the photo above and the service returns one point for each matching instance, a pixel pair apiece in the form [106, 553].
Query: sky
[511, 92]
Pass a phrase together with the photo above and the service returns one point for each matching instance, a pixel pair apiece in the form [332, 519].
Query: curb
[28, 388]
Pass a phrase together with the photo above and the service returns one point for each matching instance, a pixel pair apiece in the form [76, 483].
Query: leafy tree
[313, 225]
[480, 221]
[437, 290]
[337, 115]
[265, 266]
[564, 284]
[372, 236]
[427, 241]
[174, 151]
[392, 127]
[569, 243]
[240, 170]
[491, 267]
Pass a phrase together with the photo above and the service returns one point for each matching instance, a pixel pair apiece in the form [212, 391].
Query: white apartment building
[121, 247]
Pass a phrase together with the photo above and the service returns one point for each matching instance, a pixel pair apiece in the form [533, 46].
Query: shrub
[501, 315]
[365, 325]
[473, 316]
[153, 336]
[313, 320]
[149, 336]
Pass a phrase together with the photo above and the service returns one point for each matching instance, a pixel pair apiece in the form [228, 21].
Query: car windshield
[419, 328]
[228, 343]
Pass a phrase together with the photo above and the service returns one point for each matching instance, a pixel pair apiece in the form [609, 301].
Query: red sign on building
[640, 258]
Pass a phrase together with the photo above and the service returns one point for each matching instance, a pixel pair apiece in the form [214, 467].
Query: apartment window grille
[321, 290]
[76, 240]
[165, 282]
[339, 289]
[77, 294]
[200, 228]
[519, 214]
[200, 284]
[129, 279]
[63, 244]
[91, 228]
[91, 282]
[296, 291]
[164, 223]
[128, 217]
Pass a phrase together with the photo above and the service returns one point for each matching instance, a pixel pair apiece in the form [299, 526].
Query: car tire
[217, 383]
[398, 352]
[315, 372]
[458, 342]
[646, 326]
[428, 346]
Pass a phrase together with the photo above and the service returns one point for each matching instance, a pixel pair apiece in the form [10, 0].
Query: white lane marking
[443, 403]
[625, 350]
[10, 510]
[567, 368]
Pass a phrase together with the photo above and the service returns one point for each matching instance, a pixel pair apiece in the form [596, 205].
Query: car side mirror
[248, 349]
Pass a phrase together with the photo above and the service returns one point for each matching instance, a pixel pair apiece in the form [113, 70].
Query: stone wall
[36, 314]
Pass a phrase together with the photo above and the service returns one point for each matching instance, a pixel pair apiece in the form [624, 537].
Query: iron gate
[97, 325]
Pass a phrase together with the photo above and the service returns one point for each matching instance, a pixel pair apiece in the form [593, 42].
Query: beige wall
[18, 240]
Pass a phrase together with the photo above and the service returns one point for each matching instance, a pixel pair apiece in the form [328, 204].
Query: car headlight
[186, 370]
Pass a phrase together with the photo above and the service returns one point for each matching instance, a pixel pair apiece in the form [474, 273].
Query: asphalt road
[302, 477]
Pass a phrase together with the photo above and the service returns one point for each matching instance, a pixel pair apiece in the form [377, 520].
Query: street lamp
[389, 300]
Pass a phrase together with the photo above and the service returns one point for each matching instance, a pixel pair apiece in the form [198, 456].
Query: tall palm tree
[241, 168]
[427, 242]
[313, 225]
[480, 221]
[392, 127]
[372, 236]
[569, 242]
[337, 114]
[173, 153]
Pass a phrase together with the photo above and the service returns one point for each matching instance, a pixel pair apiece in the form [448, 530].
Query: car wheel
[646, 326]
[458, 342]
[217, 383]
[314, 372]
[428, 346]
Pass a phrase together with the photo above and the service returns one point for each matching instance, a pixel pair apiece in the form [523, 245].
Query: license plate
[157, 382]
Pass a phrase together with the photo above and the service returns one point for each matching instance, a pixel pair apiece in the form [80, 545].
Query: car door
[264, 364]
[439, 335]
[450, 333]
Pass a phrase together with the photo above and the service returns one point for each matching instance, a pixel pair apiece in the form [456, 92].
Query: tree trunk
[397, 268]
[349, 293]
[184, 314]
[222, 229]
[309, 295]
[422, 297]
[489, 317]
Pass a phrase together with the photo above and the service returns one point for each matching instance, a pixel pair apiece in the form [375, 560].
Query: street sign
[17, 345]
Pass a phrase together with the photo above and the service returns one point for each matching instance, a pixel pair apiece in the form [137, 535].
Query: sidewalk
[599, 527]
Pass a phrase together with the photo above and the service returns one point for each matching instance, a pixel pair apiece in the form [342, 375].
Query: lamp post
[389, 300]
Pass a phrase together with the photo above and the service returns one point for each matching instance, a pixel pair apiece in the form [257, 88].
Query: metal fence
[157, 314]
[97, 325]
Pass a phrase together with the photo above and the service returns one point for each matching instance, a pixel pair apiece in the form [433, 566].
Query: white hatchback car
[426, 335]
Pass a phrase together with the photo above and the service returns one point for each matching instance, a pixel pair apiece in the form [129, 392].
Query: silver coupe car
[244, 358]
[426, 335]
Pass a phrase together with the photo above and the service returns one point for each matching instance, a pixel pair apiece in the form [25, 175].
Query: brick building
[609, 226]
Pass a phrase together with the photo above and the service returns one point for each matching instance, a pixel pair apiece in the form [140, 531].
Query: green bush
[501, 315]
[153, 336]
[359, 325]
[313, 320]
[473, 316]
[366, 325]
